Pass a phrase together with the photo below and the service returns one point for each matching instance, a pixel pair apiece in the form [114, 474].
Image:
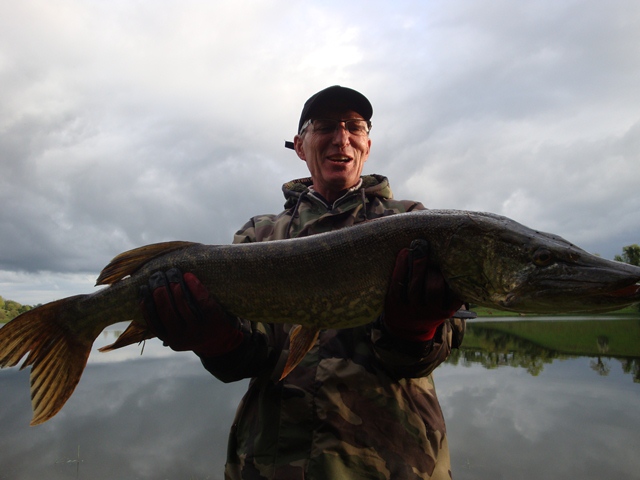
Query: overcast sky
[125, 122]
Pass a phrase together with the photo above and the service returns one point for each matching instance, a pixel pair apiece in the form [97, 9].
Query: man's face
[334, 159]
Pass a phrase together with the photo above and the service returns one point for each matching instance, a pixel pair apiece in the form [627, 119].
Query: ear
[297, 146]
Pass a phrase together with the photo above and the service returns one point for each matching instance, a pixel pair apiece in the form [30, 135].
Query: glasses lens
[325, 126]
[357, 127]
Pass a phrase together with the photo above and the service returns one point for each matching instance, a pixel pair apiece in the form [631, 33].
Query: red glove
[419, 300]
[180, 311]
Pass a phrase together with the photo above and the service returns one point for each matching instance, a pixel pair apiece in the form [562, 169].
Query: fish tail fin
[127, 263]
[134, 333]
[56, 353]
[301, 340]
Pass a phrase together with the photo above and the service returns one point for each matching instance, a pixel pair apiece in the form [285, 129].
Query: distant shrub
[10, 309]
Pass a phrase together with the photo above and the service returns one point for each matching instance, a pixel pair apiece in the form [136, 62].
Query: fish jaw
[562, 278]
[606, 291]
[522, 270]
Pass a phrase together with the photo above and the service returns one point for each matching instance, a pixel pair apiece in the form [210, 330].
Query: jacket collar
[373, 185]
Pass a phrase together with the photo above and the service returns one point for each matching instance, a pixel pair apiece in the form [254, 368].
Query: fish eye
[542, 257]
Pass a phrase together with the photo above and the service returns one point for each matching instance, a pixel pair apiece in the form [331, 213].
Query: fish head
[512, 267]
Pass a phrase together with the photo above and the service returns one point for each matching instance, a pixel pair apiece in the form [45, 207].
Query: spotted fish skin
[325, 281]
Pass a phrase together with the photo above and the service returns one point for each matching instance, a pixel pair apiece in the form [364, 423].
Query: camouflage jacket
[361, 405]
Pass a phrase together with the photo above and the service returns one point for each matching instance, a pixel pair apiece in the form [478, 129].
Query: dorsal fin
[127, 263]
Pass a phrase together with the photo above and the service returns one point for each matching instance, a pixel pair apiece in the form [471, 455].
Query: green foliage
[10, 309]
[630, 254]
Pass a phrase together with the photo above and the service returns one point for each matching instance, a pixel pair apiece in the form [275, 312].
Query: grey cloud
[128, 125]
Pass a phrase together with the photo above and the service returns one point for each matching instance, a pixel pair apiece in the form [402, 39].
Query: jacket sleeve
[257, 354]
[247, 234]
[404, 359]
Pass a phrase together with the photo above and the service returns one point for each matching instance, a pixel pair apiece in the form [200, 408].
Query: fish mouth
[571, 301]
[630, 291]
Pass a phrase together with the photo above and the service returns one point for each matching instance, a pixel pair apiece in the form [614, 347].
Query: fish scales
[331, 280]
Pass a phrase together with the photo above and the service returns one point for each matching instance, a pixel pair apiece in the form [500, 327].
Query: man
[361, 404]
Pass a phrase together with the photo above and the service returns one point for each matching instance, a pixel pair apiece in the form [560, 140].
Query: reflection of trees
[505, 349]
[494, 348]
[632, 366]
[600, 367]
[533, 364]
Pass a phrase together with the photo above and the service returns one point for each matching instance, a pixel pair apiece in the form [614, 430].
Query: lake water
[515, 409]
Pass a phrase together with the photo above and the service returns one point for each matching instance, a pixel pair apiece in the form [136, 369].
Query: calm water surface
[515, 409]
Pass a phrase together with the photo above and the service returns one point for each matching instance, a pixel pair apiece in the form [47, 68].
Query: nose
[341, 134]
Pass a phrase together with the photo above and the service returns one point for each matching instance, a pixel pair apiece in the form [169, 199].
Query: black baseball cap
[340, 96]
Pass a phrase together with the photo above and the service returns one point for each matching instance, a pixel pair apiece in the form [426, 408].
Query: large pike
[331, 280]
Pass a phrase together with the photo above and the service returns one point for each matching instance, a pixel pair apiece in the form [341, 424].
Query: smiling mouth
[339, 158]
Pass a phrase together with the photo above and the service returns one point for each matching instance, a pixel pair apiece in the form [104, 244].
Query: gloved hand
[180, 311]
[419, 300]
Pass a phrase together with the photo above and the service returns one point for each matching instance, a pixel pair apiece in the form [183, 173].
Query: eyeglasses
[326, 126]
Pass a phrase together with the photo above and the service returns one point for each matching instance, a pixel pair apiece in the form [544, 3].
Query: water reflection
[532, 344]
[155, 416]
[521, 401]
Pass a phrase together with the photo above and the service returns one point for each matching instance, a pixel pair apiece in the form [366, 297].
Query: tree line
[10, 309]
[630, 254]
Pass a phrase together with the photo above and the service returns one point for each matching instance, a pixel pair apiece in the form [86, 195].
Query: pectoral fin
[301, 339]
